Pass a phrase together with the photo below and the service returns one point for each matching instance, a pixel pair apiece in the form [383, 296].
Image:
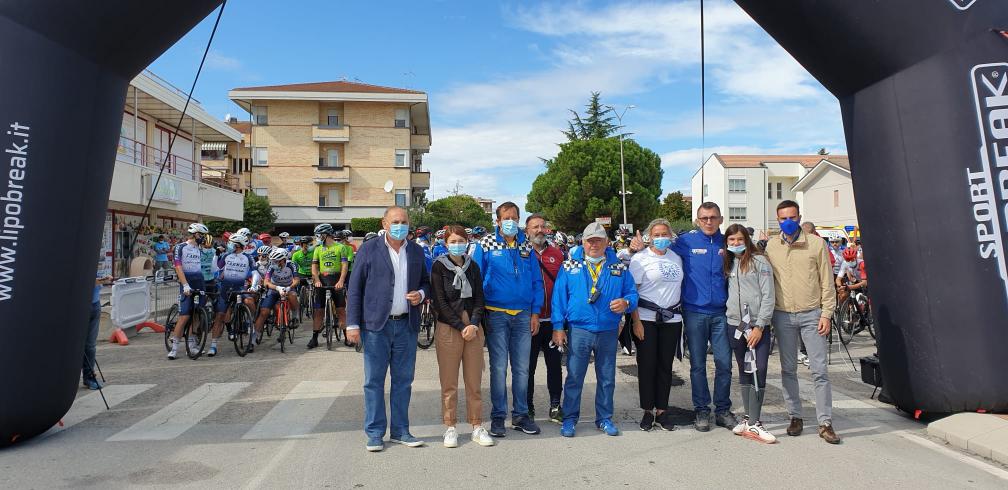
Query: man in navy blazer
[388, 282]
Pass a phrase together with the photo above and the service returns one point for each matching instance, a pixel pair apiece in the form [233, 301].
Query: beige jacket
[803, 276]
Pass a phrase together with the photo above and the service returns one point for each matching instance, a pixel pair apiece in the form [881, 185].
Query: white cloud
[217, 60]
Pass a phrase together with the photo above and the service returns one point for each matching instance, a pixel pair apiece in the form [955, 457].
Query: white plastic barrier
[130, 301]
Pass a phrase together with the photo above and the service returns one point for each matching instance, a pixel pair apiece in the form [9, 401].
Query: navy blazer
[369, 294]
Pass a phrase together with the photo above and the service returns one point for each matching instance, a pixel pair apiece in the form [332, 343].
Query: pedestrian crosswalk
[182, 414]
[299, 411]
[91, 404]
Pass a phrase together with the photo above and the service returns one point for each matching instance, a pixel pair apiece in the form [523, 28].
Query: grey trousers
[788, 327]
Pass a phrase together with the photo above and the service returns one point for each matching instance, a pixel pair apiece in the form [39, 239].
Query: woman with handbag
[458, 305]
[750, 307]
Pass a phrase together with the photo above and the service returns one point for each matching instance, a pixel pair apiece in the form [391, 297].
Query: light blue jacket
[573, 288]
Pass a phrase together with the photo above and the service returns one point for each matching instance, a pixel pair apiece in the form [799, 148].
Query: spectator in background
[91, 341]
[161, 248]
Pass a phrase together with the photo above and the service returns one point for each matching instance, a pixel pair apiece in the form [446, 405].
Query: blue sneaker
[407, 440]
[374, 444]
[92, 383]
[567, 429]
[212, 351]
[608, 427]
[497, 428]
[525, 424]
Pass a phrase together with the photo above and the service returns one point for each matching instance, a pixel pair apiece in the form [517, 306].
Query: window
[400, 158]
[330, 199]
[401, 197]
[836, 199]
[769, 190]
[259, 115]
[332, 119]
[737, 214]
[736, 185]
[706, 190]
[401, 118]
[261, 191]
[260, 157]
[332, 158]
[780, 191]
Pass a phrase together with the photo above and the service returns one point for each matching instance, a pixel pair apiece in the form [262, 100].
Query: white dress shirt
[400, 305]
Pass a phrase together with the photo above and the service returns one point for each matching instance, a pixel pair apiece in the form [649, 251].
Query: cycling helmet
[324, 229]
[422, 231]
[850, 254]
[304, 239]
[559, 237]
[478, 230]
[226, 235]
[285, 235]
[278, 254]
[244, 231]
[264, 250]
[370, 235]
[239, 239]
[347, 233]
[440, 233]
[207, 241]
[469, 231]
[198, 228]
[265, 236]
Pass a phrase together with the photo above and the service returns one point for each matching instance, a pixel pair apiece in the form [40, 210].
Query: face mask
[662, 243]
[457, 248]
[852, 264]
[509, 227]
[736, 249]
[440, 241]
[230, 247]
[398, 231]
[789, 226]
[594, 260]
[263, 261]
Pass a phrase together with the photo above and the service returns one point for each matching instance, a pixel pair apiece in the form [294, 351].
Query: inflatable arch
[921, 84]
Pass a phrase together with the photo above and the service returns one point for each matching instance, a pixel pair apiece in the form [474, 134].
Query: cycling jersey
[236, 268]
[189, 257]
[302, 261]
[330, 258]
[281, 275]
[207, 263]
[852, 274]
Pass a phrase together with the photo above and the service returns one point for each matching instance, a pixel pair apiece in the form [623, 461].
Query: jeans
[789, 327]
[509, 337]
[581, 345]
[702, 328]
[554, 372]
[391, 347]
[91, 341]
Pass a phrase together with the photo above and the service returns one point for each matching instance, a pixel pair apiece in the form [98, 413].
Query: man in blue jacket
[513, 291]
[592, 292]
[704, 295]
[388, 282]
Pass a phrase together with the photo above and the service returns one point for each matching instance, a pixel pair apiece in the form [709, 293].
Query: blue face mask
[457, 248]
[509, 227]
[661, 243]
[789, 226]
[398, 231]
[594, 260]
[736, 249]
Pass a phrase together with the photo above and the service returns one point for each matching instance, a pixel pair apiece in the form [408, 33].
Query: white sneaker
[173, 354]
[756, 432]
[451, 437]
[741, 427]
[482, 437]
[193, 346]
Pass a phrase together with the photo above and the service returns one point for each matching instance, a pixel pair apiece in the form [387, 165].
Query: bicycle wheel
[196, 328]
[169, 326]
[328, 321]
[425, 336]
[241, 325]
[846, 330]
[869, 321]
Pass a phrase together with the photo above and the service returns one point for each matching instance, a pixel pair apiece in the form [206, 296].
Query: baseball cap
[594, 230]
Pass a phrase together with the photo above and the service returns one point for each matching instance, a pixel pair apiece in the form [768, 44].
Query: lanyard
[595, 271]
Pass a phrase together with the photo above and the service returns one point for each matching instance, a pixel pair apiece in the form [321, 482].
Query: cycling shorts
[225, 290]
[186, 302]
[268, 302]
[339, 297]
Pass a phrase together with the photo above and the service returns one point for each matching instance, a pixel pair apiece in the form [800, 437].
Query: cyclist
[370, 235]
[353, 250]
[236, 270]
[280, 280]
[285, 243]
[208, 264]
[189, 269]
[836, 251]
[851, 278]
[329, 268]
[302, 258]
[439, 248]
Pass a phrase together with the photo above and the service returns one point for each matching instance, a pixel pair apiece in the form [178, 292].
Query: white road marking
[91, 404]
[944, 451]
[299, 412]
[182, 414]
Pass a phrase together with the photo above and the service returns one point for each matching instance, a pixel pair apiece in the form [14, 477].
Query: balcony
[148, 157]
[420, 142]
[420, 180]
[330, 134]
[331, 175]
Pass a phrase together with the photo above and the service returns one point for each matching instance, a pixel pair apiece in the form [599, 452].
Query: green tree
[258, 216]
[456, 209]
[675, 207]
[583, 182]
[363, 226]
[597, 122]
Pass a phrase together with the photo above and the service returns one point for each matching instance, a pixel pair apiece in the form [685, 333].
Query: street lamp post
[623, 191]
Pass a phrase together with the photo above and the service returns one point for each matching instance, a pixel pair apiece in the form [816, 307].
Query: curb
[985, 435]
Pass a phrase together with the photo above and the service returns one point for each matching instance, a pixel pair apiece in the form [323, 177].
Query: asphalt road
[293, 420]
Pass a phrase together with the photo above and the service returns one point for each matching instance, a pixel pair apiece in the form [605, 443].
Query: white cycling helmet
[244, 231]
[285, 235]
[324, 229]
[198, 228]
[239, 239]
[440, 233]
[264, 250]
[278, 254]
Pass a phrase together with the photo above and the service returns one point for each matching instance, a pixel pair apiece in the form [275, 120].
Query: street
[293, 420]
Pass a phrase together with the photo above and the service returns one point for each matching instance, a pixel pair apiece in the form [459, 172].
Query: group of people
[521, 295]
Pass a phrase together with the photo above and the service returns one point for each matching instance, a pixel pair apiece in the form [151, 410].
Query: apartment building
[187, 191]
[329, 152]
[749, 187]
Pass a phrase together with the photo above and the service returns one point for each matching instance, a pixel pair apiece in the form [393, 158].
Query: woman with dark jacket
[458, 305]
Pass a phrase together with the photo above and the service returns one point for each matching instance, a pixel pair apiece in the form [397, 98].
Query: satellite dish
[388, 186]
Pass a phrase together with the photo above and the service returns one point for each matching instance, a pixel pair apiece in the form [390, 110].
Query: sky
[501, 77]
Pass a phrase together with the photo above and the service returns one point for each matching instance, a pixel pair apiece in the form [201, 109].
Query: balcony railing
[136, 153]
[330, 134]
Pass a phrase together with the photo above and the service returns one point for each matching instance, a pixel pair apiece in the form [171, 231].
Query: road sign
[605, 221]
